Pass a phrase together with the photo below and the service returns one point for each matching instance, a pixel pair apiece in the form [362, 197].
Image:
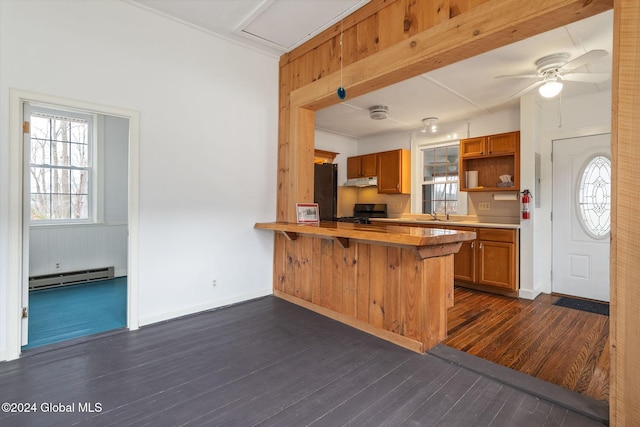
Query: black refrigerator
[325, 190]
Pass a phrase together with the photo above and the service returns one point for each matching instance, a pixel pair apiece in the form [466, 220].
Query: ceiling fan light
[550, 88]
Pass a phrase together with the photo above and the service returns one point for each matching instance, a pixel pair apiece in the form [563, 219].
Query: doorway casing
[15, 274]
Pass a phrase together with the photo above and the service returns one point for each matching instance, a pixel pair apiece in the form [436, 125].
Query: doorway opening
[21, 267]
[75, 194]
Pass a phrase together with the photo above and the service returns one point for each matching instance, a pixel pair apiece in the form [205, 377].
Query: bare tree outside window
[60, 167]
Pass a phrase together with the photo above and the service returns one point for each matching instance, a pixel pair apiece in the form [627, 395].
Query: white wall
[208, 141]
[61, 248]
[114, 164]
[385, 142]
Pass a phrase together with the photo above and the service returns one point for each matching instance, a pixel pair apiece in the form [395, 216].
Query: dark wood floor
[560, 345]
[270, 363]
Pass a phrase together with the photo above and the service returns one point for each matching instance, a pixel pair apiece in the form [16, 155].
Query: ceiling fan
[551, 70]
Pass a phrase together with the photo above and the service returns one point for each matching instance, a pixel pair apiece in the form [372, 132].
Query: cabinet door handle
[481, 245]
[473, 245]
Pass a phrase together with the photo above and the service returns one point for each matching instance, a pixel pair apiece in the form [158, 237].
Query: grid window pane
[79, 155]
[440, 179]
[60, 206]
[60, 167]
[40, 206]
[79, 206]
[79, 182]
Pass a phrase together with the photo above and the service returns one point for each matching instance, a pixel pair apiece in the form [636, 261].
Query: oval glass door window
[594, 197]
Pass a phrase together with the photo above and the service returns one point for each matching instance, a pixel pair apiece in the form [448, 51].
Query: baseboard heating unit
[70, 278]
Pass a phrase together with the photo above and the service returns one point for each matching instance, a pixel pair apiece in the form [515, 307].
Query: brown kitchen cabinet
[490, 262]
[394, 172]
[364, 166]
[464, 262]
[497, 258]
[491, 156]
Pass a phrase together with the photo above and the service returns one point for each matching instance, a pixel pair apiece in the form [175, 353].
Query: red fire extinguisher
[526, 204]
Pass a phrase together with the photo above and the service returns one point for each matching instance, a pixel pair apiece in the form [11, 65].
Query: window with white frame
[440, 190]
[61, 166]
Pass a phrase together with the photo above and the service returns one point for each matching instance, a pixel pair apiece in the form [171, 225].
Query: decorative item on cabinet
[496, 158]
[323, 156]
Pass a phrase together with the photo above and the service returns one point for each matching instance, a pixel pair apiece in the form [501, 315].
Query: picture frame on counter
[307, 213]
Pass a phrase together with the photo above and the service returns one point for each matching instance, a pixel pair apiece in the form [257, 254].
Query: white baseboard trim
[149, 320]
[529, 294]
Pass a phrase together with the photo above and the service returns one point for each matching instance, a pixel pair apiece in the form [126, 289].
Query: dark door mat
[580, 304]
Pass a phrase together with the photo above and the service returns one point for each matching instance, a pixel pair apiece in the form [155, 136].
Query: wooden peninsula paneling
[391, 281]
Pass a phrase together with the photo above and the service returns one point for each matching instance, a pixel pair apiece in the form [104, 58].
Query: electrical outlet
[484, 206]
[214, 283]
[57, 265]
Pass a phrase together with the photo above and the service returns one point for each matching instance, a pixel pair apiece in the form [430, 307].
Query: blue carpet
[75, 311]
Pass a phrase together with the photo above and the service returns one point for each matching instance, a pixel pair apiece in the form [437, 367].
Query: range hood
[362, 182]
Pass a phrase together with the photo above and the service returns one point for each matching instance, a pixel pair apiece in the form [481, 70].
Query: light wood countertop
[428, 242]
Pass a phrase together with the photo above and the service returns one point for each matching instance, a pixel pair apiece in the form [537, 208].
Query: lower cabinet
[496, 257]
[489, 263]
[464, 262]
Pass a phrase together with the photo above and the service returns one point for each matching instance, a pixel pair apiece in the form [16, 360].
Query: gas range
[362, 212]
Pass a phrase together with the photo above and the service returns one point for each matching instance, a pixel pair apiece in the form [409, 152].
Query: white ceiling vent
[379, 112]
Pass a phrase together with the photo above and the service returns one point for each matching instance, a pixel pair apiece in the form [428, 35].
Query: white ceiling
[274, 26]
[454, 94]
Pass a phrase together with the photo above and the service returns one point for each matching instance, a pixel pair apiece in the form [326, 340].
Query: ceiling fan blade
[518, 76]
[588, 57]
[585, 77]
[527, 89]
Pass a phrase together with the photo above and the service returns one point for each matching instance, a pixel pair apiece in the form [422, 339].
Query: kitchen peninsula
[395, 282]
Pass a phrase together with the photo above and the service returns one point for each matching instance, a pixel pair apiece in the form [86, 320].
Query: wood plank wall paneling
[625, 242]
[375, 284]
[380, 24]
[362, 283]
[479, 26]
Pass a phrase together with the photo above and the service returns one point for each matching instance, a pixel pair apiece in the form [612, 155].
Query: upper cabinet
[491, 156]
[362, 166]
[323, 156]
[394, 172]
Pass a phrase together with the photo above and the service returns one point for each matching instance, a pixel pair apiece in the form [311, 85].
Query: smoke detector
[379, 112]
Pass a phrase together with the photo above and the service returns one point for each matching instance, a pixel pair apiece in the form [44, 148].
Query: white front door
[581, 216]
